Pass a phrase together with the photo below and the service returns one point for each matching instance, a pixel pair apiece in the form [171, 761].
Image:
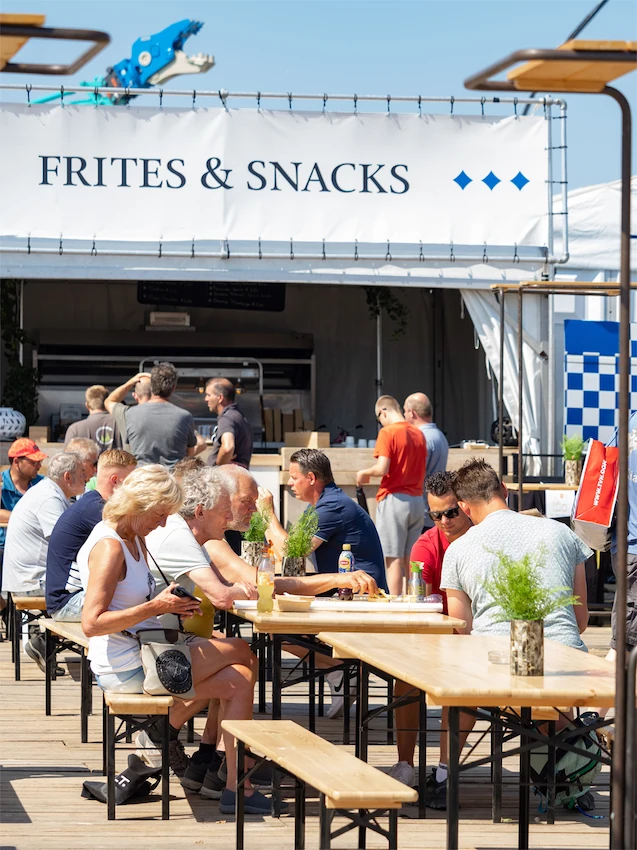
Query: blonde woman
[120, 596]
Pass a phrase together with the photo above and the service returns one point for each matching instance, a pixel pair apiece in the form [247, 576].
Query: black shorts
[631, 603]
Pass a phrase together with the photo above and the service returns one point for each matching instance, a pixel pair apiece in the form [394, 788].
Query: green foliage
[572, 447]
[299, 542]
[382, 299]
[259, 521]
[21, 382]
[517, 589]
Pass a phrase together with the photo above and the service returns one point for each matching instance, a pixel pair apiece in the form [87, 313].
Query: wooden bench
[31, 607]
[138, 712]
[346, 785]
[60, 636]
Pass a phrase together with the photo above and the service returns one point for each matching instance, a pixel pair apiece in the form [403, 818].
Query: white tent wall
[485, 314]
[436, 356]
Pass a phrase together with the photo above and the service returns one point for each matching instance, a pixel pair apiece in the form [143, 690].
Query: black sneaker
[585, 803]
[196, 771]
[261, 777]
[436, 796]
[212, 785]
[255, 804]
[36, 649]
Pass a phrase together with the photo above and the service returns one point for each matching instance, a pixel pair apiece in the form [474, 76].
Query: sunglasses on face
[451, 513]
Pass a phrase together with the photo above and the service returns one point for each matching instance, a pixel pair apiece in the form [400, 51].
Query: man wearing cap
[25, 460]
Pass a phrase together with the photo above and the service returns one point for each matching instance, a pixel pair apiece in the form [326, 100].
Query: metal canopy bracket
[589, 67]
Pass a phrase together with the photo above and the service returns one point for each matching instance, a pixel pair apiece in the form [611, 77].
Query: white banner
[143, 174]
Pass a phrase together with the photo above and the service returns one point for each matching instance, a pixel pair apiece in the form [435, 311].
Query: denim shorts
[126, 682]
[71, 612]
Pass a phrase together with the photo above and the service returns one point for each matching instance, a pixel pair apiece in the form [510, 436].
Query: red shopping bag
[594, 503]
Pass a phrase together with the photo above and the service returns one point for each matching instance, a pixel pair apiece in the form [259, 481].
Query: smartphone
[184, 594]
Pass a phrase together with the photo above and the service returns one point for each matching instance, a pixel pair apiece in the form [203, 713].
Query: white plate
[343, 605]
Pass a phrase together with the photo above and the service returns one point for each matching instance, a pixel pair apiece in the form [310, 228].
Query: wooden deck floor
[44, 765]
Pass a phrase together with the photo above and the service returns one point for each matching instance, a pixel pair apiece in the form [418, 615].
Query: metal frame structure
[336, 252]
[28, 31]
[622, 823]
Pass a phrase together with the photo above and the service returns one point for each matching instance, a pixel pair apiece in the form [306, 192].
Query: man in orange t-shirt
[401, 454]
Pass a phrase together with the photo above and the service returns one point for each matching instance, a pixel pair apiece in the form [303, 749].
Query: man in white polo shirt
[30, 525]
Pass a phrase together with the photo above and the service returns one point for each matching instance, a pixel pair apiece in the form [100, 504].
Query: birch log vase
[572, 472]
[527, 648]
[251, 552]
[293, 566]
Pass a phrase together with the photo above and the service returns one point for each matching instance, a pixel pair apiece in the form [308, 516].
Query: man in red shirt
[401, 454]
[450, 522]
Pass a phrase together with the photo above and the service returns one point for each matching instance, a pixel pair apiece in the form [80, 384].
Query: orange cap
[26, 448]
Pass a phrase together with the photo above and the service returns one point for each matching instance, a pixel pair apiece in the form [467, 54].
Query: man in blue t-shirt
[64, 593]
[341, 521]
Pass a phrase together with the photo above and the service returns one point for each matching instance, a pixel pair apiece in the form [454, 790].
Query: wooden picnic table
[454, 671]
[302, 628]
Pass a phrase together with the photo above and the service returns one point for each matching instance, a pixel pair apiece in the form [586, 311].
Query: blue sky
[423, 47]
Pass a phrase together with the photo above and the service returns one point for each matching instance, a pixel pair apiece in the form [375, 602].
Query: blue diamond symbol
[462, 180]
[491, 180]
[520, 180]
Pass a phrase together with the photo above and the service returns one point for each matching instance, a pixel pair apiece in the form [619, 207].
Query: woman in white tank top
[120, 597]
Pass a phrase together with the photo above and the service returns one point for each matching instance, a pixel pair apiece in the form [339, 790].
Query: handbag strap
[161, 572]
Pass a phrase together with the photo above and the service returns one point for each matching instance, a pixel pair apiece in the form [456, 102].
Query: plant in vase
[516, 588]
[299, 543]
[572, 449]
[253, 537]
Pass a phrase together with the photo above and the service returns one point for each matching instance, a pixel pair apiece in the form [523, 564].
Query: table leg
[299, 815]
[17, 637]
[262, 672]
[362, 831]
[346, 704]
[311, 658]
[497, 739]
[525, 776]
[393, 829]
[240, 795]
[276, 677]
[422, 755]
[48, 652]
[165, 769]
[110, 765]
[325, 824]
[453, 775]
[86, 683]
[550, 769]
[363, 698]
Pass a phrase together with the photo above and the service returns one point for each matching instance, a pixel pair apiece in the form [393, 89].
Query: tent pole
[621, 813]
[379, 355]
[501, 390]
[520, 398]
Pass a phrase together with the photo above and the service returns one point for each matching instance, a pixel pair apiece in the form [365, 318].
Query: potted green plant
[517, 589]
[252, 543]
[572, 449]
[299, 543]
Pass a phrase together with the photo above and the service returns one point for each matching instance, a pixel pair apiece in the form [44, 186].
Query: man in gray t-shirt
[469, 562]
[158, 431]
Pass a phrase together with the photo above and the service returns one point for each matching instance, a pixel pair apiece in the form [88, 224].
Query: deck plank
[44, 765]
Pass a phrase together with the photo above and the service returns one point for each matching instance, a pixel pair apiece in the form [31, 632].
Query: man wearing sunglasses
[449, 523]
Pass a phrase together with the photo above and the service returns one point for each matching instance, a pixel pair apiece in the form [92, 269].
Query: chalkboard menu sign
[226, 296]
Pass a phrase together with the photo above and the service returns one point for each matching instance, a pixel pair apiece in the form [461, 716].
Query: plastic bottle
[346, 565]
[416, 590]
[265, 583]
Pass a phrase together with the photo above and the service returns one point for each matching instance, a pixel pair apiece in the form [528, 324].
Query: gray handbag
[165, 658]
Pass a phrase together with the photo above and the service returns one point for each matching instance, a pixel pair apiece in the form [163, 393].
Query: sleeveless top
[116, 653]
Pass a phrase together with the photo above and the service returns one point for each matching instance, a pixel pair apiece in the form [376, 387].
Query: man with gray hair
[178, 549]
[30, 526]
[88, 452]
[419, 411]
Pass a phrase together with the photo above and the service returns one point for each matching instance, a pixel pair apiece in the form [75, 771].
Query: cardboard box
[308, 425]
[298, 420]
[287, 423]
[40, 433]
[277, 430]
[307, 439]
[268, 424]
